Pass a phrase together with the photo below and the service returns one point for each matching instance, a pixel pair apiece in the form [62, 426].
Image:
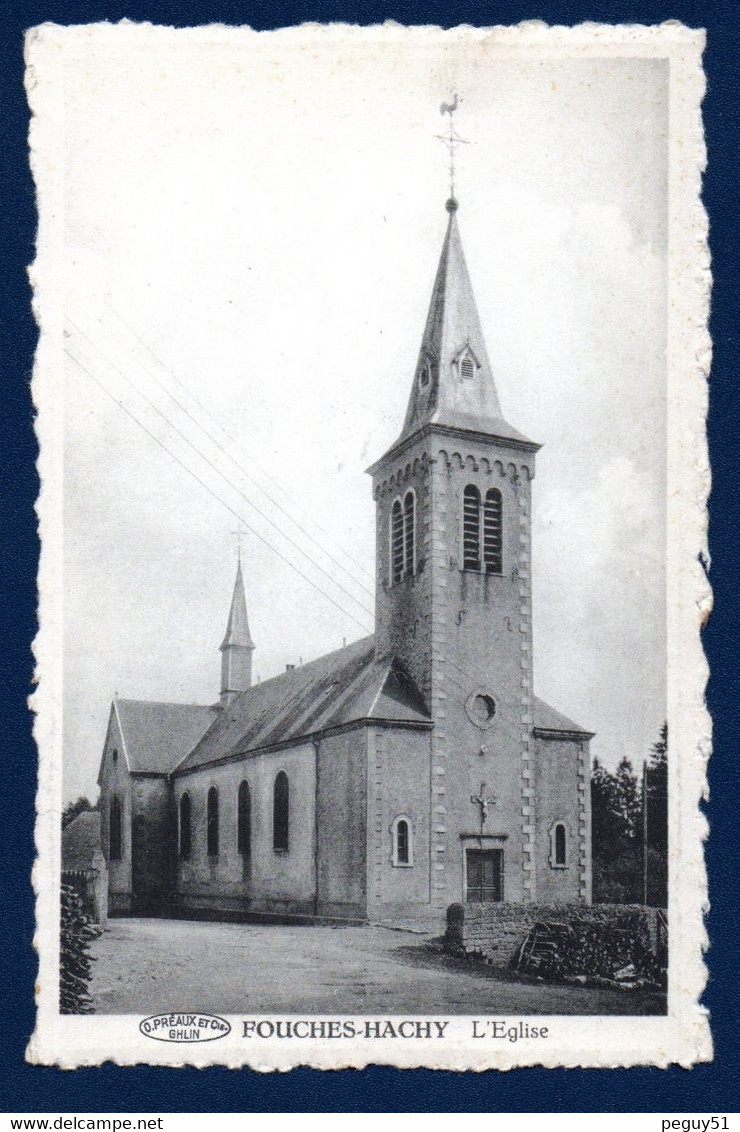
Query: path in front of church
[148, 966]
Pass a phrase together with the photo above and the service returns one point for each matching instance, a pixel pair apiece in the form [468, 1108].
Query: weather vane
[451, 139]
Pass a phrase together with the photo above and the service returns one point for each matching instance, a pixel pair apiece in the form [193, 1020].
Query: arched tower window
[185, 828]
[212, 822]
[559, 845]
[396, 541]
[401, 845]
[471, 528]
[281, 813]
[244, 820]
[409, 533]
[115, 833]
[493, 532]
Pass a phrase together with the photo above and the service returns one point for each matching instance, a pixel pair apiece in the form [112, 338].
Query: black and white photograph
[371, 421]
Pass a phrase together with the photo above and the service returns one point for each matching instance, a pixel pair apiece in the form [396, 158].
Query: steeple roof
[454, 384]
[237, 629]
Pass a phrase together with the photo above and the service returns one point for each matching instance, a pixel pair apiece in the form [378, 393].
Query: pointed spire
[454, 384]
[237, 628]
[237, 646]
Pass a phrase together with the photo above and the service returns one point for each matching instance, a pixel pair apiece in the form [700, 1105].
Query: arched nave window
[559, 845]
[115, 832]
[281, 813]
[402, 854]
[212, 822]
[244, 820]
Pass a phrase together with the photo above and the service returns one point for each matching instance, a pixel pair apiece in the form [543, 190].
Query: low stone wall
[497, 931]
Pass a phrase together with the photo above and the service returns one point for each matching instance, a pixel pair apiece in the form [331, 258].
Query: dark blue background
[707, 1088]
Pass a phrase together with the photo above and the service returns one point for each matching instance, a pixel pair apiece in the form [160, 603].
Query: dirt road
[147, 966]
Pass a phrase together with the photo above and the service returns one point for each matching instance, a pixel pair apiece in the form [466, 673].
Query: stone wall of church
[465, 635]
[341, 824]
[398, 787]
[482, 650]
[116, 780]
[150, 843]
[563, 796]
[403, 609]
[265, 879]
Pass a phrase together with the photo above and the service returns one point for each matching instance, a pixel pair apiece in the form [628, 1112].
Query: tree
[616, 823]
[628, 801]
[80, 806]
[655, 822]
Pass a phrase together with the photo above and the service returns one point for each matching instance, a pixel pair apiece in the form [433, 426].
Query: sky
[251, 232]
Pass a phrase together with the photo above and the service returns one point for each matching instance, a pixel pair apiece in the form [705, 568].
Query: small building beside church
[410, 770]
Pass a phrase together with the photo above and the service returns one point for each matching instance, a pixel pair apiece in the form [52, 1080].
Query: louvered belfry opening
[409, 532]
[471, 528]
[493, 532]
[397, 541]
[467, 368]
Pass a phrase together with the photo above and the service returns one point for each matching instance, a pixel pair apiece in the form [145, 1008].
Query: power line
[251, 479]
[225, 478]
[215, 494]
[233, 440]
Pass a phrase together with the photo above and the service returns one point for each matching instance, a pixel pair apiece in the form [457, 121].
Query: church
[404, 772]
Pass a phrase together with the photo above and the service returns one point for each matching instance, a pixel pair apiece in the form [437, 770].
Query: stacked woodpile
[77, 934]
[583, 951]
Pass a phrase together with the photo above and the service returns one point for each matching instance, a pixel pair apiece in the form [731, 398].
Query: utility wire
[251, 479]
[215, 494]
[225, 478]
[363, 569]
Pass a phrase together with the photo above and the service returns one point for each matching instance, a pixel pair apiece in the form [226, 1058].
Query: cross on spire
[239, 534]
[484, 801]
[452, 140]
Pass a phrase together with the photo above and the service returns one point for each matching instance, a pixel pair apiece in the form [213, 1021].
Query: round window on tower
[481, 709]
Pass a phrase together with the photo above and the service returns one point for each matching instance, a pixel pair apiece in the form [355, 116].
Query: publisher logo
[184, 1027]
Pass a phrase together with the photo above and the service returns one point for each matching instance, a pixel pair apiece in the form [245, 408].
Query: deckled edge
[688, 531]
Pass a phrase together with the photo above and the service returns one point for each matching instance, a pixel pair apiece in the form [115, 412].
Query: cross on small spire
[452, 140]
[484, 801]
[239, 534]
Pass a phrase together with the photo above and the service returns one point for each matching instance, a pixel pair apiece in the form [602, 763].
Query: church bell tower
[453, 590]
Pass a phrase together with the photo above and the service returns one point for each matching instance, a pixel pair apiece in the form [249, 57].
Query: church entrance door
[484, 870]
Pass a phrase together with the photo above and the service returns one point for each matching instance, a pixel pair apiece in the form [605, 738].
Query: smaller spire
[237, 628]
[237, 646]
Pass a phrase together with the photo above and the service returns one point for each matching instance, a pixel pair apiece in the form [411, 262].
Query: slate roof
[156, 736]
[547, 719]
[237, 628]
[453, 328]
[80, 840]
[342, 687]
